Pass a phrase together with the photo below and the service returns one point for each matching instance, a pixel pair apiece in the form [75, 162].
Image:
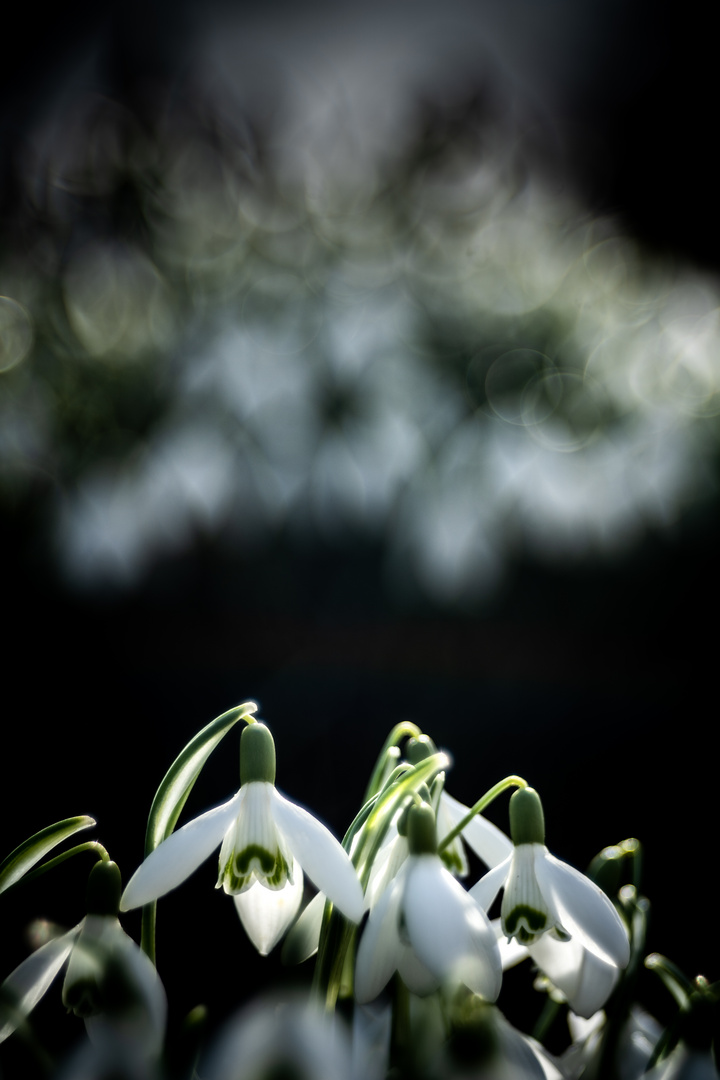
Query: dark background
[594, 679]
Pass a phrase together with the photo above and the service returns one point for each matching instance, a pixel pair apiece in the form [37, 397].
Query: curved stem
[674, 979]
[402, 730]
[90, 845]
[337, 933]
[174, 790]
[488, 797]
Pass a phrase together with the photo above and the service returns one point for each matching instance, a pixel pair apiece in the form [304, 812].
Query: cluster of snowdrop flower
[439, 349]
[405, 946]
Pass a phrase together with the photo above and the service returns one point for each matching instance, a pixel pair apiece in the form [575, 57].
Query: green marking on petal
[82, 997]
[271, 869]
[525, 923]
[243, 860]
[233, 883]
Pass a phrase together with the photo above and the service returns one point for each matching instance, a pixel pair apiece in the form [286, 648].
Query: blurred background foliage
[366, 363]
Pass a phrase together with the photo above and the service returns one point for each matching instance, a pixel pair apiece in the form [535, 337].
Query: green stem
[337, 933]
[91, 845]
[147, 933]
[546, 1019]
[480, 805]
[400, 1037]
[405, 729]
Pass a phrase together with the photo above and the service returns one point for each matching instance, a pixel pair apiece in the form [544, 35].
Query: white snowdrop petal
[380, 950]
[586, 979]
[449, 932]
[178, 856]
[320, 855]
[267, 914]
[585, 910]
[385, 867]
[487, 841]
[486, 889]
[22, 990]
[527, 911]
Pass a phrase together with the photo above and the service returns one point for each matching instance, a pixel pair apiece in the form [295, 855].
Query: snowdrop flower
[426, 927]
[265, 842]
[109, 981]
[570, 927]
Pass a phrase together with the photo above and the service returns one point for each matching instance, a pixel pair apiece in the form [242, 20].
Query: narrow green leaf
[31, 851]
[184, 771]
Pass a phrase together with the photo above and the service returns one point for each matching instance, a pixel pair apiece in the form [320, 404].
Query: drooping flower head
[568, 924]
[265, 841]
[426, 927]
[109, 982]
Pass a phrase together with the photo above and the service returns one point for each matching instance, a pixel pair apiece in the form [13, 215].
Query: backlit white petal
[528, 912]
[586, 979]
[585, 910]
[448, 930]
[22, 990]
[254, 847]
[266, 913]
[487, 841]
[486, 889]
[177, 857]
[380, 949]
[320, 855]
[385, 866]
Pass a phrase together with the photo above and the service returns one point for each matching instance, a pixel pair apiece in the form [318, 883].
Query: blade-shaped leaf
[184, 771]
[31, 851]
